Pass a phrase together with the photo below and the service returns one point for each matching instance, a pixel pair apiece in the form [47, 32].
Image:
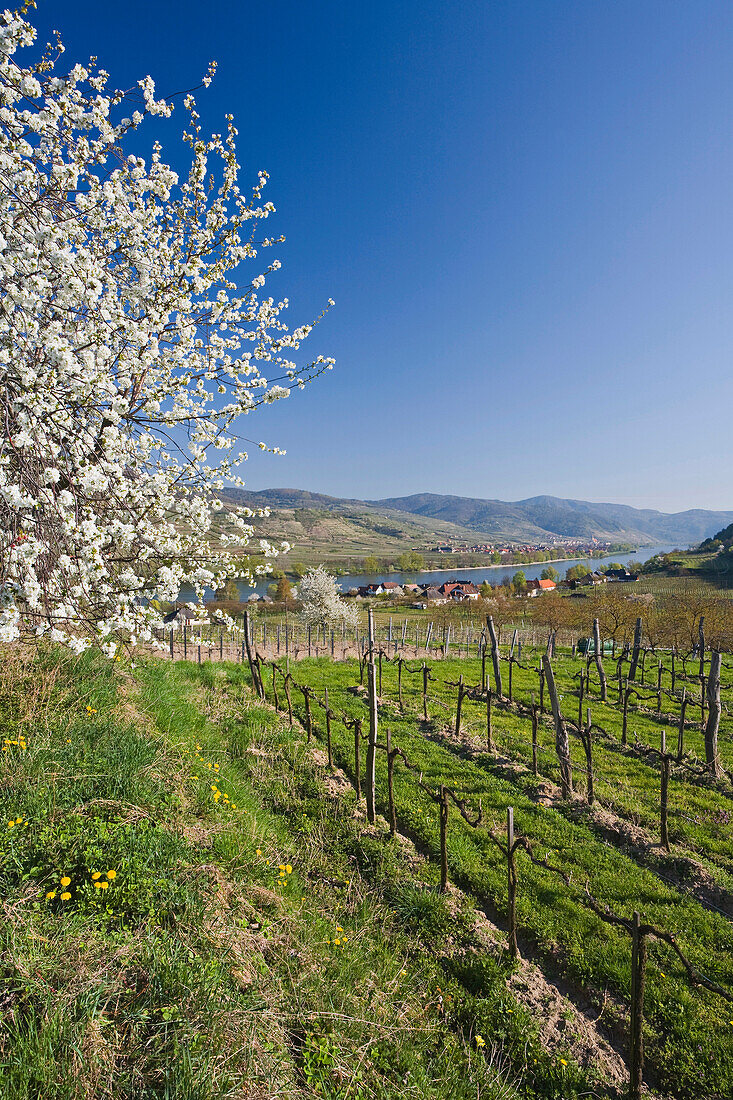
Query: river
[494, 574]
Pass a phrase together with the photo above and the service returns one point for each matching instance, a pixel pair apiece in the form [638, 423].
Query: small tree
[550, 574]
[371, 565]
[283, 592]
[576, 573]
[519, 581]
[322, 603]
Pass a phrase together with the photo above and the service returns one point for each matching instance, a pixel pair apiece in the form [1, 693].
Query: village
[458, 591]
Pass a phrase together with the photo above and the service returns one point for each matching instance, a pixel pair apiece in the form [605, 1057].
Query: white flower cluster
[321, 602]
[128, 349]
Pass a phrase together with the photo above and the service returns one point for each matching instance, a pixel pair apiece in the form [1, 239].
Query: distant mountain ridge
[569, 518]
[535, 519]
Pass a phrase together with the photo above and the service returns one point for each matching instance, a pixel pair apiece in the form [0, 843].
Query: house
[433, 594]
[547, 585]
[621, 575]
[459, 590]
[366, 590]
[591, 579]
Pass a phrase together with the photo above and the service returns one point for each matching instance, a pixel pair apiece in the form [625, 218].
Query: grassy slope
[255, 938]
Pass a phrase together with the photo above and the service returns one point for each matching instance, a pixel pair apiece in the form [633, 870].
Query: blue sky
[522, 210]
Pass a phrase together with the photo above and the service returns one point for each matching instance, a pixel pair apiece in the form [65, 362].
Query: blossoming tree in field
[321, 602]
[130, 343]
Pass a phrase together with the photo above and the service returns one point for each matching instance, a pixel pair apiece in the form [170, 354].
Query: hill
[568, 518]
[435, 517]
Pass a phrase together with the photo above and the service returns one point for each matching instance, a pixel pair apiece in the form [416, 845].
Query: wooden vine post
[328, 729]
[639, 934]
[713, 722]
[373, 722]
[459, 705]
[599, 658]
[659, 688]
[399, 682]
[392, 754]
[665, 760]
[562, 744]
[274, 686]
[701, 645]
[489, 742]
[541, 673]
[287, 696]
[534, 736]
[625, 717]
[357, 756]
[511, 883]
[635, 653]
[586, 736]
[443, 810]
[425, 678]
[681, 729]
[494, 654]
[308, 722]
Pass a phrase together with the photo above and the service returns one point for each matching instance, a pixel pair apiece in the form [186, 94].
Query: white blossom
[130, 343]
[321, 601]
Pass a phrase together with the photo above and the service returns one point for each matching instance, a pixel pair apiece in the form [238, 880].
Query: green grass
[255, 938]
[690, 1039]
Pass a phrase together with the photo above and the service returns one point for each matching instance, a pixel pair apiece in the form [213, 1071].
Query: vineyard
[467, 760]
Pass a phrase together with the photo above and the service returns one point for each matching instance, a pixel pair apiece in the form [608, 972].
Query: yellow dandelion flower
[563, 1062]
[259, 852]
[65, 896]
[102, 885]
[96, 875]
[289, 869]
[19, 821]
[66, 881]
[480, 1042]
[337, 942]
[111, 875]
[11, 824]
[51, 895]
[194, 777]
[281, 866]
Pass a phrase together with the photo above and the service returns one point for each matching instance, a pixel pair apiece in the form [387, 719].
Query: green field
[248, 932]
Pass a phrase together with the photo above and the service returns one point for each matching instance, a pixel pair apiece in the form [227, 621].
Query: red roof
[547, 584]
